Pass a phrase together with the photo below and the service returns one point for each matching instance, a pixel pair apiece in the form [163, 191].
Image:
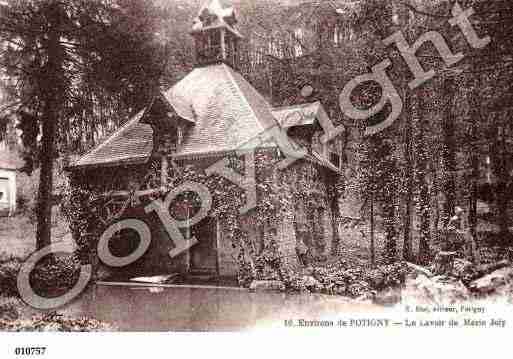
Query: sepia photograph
[254, 166]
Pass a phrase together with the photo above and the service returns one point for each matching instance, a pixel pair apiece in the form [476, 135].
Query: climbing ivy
[90, 211]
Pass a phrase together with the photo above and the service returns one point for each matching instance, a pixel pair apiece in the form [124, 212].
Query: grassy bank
[49, 279]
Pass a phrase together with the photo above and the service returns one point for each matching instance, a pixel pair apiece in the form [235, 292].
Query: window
[215, 38]
[179, 133]
[317, 146]
[298, 40]
[4, 190]
[260, 234]
[341, 34]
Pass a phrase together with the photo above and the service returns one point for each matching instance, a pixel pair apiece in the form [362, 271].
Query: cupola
[216, 38]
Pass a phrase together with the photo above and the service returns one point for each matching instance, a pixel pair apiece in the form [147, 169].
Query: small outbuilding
[9, 165]
[214, 117]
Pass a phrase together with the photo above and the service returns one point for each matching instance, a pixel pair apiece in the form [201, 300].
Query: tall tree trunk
[334, 225]
[473, 195]
[44, 204]
[503, 205]
[449, 151]
[474, 159]
[423, 209]
[372, 242]
[53, 81]
[436, 190]
[500, 159]
[407, 241]
[390, 231]
[504, 183]
[423, 202]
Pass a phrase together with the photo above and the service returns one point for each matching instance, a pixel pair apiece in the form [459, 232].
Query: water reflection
[203, 309]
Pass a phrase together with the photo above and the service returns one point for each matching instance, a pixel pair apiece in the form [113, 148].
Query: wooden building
[207, 117]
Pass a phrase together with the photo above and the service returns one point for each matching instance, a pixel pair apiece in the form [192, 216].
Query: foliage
[54, 322]
[82, 215]
[110, 58]
[463, 121]
[353, 281]
[9, 268]
[268, 262]
[9, 309]
[72, 70]
[450, 127]
[84, 206]
[380, 183]
[421, 167]
[55, 276]
[50, 276]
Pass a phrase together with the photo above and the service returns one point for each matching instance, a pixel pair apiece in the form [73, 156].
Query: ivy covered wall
[295, 209]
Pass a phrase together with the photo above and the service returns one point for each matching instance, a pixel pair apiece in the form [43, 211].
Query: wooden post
[164, 165]
[270, 69]
[223, 44]
[217, 243]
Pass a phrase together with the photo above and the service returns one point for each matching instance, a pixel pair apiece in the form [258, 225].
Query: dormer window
[168, 127]
[168, 133]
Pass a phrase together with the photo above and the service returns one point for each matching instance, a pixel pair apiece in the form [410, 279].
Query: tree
[421, 167]
[74, 69]
[492, 132]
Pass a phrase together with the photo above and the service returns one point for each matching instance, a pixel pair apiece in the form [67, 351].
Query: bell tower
[216, 39]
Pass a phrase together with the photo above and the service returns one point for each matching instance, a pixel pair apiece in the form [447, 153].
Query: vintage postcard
[266, 167]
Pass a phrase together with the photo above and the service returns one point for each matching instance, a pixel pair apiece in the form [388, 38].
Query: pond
[205, 308]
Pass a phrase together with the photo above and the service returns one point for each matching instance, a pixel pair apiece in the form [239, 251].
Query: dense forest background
[74, 71]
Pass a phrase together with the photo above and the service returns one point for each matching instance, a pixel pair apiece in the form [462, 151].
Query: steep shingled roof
[132, 143]
[228, 114]
[227, 111]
